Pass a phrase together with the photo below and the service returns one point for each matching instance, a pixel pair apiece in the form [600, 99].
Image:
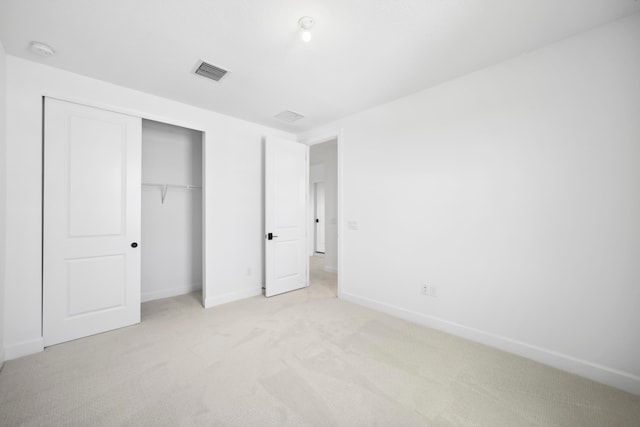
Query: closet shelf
[165, 187]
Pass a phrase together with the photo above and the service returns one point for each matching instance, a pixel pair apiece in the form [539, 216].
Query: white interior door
[91, 253]
[286, 183]
[319, 193]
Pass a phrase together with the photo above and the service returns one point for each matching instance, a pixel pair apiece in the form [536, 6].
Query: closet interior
[171, 248]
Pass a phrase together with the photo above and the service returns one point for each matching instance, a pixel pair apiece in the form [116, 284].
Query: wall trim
[24, 348]
[231, 296]
[171, 292]
[602, 374]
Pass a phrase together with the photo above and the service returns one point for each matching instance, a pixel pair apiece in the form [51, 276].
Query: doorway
[171, 210]
[323, 217]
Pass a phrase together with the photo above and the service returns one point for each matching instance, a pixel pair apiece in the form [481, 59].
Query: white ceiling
[363, 52]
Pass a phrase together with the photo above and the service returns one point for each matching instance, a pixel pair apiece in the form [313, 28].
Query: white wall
[232, 194]
[171, 245]
[516, 192]
[3, 177]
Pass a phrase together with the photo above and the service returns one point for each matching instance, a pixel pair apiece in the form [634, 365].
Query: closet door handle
[270, 236]
[134, 245]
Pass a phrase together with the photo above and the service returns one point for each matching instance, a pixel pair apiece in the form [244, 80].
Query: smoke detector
[41, 49]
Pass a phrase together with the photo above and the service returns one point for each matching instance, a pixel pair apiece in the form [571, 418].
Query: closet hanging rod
[187, 186]
[165, 187]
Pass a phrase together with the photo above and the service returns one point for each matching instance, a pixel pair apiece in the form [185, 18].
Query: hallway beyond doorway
[319, 278]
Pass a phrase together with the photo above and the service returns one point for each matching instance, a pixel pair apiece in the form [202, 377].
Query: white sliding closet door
[91, 253]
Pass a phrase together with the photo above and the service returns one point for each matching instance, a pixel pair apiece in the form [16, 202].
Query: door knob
[271, 236]
[134, 245]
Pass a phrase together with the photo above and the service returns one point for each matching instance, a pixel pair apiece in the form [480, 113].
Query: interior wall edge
[3, 194]
[231, 297]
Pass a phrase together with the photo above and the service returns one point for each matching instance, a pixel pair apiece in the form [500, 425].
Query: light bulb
[306, 23]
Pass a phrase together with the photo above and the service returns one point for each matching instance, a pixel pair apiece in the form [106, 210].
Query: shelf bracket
[164, 192]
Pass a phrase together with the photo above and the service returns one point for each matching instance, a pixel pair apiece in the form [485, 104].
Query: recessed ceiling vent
[211, 71]
[289, 116]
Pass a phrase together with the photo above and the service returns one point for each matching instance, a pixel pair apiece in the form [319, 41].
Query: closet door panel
[91, 270]
[96, 167]
[96, 284]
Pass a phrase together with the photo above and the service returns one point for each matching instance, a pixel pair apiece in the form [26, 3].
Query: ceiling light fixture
[306, 23]
[41, 49]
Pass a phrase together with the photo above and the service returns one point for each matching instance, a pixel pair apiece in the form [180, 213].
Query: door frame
[336, 134]
[143, 116]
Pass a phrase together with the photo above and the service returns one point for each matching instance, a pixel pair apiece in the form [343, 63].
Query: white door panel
[95, 199]
[96, 284]
[286, 183]
[91, 272]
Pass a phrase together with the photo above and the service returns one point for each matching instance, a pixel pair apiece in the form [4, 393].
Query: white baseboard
[24, 348]
[330, 269]
[166, 293]
[602, 374]
[231, 296]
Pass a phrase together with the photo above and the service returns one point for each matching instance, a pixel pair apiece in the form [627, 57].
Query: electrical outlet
[425, 289]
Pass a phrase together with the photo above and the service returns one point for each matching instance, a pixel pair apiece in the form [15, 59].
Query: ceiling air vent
[288, 116]
[211, 71]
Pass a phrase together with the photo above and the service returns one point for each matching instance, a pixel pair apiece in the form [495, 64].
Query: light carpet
[300, 359]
